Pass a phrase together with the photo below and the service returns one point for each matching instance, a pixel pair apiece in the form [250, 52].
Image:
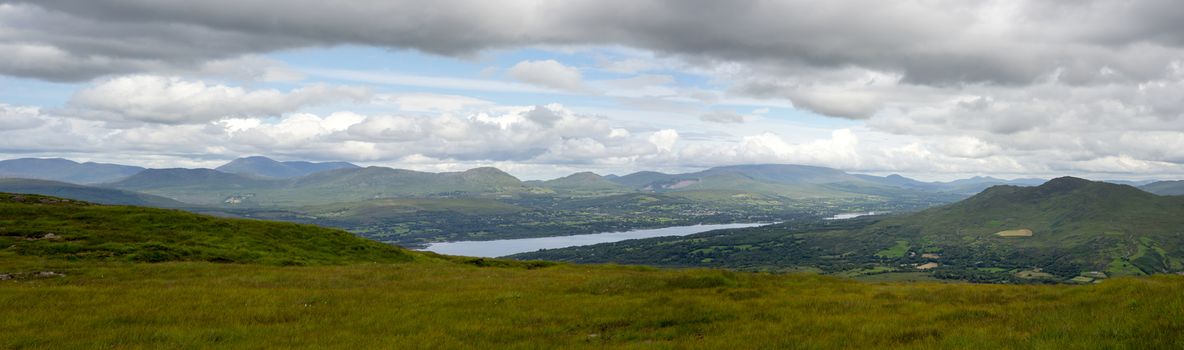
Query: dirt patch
[928, 266]
[1023, 232]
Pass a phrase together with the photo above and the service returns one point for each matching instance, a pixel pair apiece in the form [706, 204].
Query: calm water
[514, 246]
[850, 215]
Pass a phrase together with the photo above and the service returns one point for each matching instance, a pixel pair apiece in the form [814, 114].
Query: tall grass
[433, 303]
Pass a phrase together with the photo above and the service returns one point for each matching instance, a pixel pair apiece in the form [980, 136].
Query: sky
[931, 89]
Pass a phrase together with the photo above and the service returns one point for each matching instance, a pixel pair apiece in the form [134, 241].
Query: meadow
[456, 303]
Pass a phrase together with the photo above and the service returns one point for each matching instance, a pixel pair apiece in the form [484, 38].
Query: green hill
[86, 193]
[32, 225]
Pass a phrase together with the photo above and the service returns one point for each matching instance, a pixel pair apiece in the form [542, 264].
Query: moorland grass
[434, 303]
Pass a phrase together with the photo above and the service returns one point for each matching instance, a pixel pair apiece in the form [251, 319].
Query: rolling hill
[65, 170]
[43, 226]
[259, 166]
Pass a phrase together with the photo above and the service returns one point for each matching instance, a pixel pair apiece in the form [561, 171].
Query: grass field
[433, 303]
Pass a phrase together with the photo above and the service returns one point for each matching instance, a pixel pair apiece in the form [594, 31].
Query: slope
[50, 227]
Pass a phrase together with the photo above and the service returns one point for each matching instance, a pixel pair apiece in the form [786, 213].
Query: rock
[49, 274]
[5, 277]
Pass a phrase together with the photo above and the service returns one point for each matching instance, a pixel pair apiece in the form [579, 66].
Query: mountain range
[263, 181]
[65, 170]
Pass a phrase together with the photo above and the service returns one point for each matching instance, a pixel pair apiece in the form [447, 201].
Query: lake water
[503, 247]
[850, 215]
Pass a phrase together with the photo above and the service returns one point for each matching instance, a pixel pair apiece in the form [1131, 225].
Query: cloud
[550, 74]
[172, 100]
[723, 117]
[19, 117]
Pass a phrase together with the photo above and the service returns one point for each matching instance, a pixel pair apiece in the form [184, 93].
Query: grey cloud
[926, 43]
[723, 117]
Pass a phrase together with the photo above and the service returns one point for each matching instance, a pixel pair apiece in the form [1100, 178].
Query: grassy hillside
[50, 227]
[375, 296]
[86, 193]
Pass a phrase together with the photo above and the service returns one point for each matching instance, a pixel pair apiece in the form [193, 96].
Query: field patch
[1015, 233]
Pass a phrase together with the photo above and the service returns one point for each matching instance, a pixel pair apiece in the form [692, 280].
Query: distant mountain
[58, 169]
[266, 167]
[1059, 229]
[209, 186]
[979, 183]
[584, 182]
[785, 180]
[1165, 188]
[86, 193]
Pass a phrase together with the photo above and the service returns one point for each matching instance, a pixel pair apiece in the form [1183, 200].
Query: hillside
[65, 170]
[268, 168]
[86, 193]
[1165, 188]
[1062, 228]
[165, 279]
[49, 227]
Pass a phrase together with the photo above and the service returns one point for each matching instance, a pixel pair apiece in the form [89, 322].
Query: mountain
[266, 167]
[66, 170]
[74, 230]
[1059, 229]
[1165, 188]
[86, 193]
[585, 182]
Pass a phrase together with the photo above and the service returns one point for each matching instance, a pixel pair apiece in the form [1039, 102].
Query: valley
[77, 275]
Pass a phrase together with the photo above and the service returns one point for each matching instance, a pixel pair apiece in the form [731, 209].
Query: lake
[844, 216]
[503, 247]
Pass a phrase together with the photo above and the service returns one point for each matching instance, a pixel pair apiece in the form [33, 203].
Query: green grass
[896, 251]
[440, 304]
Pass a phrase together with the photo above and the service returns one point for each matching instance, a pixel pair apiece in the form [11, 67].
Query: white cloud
[172, 100]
